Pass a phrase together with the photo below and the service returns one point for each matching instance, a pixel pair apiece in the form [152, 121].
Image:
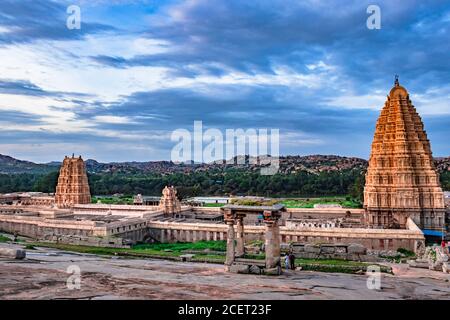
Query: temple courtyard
[43, 275]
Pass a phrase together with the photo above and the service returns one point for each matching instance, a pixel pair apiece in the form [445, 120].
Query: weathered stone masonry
[73, 186]
[401, 179]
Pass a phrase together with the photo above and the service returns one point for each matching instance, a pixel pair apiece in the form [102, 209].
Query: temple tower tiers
[401, 180]
[169, 202]
[73, 186]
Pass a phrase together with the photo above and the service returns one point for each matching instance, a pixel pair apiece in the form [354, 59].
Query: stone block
[436, 266]
[273, 271]
[298, 248]
[327, 249]
[446, 267]
[368, 258]
[353, 257]
[13, 253]
[239, 268]
[187, 257]
[312, 248]
[341, 250]
[356, 248]
[254, 270]
[342, 256]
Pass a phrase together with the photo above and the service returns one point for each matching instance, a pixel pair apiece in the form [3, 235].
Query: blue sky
[137, 70]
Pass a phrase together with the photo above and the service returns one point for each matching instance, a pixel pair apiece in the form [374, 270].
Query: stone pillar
[230, 243]
[272, 245]
[240, 250]
[188, 235]
[272, 241]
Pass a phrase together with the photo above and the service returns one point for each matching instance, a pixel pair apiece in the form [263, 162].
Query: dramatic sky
[137, 70]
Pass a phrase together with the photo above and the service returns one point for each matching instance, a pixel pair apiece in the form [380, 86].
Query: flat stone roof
[276, 207]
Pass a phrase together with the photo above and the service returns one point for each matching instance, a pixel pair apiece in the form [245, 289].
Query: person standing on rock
[286, 261]
[292, 261]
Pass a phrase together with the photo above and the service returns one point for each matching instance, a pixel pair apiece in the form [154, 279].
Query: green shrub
[4, 239]
[406, 252]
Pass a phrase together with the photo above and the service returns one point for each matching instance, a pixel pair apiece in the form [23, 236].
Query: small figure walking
[292, 261]
[15, 236]
[286, 261]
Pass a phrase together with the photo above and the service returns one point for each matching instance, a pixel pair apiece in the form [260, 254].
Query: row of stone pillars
[235, 239]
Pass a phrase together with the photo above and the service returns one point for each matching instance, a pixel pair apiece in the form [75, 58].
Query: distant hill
[288, 164]
[9, 165]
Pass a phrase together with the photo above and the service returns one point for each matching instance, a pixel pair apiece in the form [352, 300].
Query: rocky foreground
[44, 275]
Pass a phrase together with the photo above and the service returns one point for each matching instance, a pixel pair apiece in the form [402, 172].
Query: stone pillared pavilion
[73, 186]
[401, 180]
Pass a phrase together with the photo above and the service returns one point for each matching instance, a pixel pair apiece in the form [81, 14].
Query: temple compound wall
[37, 227]
[146, 225]
[376, 239]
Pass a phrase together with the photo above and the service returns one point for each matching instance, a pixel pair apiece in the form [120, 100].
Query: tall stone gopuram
[401, 180]
[169, 202]
[73, 186]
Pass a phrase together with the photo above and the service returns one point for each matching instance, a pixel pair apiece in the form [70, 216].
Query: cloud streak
[139, 69]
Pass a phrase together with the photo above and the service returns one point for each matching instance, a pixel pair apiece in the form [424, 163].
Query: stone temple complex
[73, 186]
[402, 201]
[401, 180]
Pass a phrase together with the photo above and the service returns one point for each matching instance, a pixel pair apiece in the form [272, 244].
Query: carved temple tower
[73, 186]
[401, 180]
[169, 202]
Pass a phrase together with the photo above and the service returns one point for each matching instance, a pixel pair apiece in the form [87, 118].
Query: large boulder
[356, 248]
[12, 253]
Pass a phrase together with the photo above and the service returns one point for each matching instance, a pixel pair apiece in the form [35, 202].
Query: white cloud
[113, 119]
[373, 102]
[432, 102]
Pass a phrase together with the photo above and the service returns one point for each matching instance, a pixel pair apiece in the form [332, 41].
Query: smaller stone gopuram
[169, 202]
[73, 186]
